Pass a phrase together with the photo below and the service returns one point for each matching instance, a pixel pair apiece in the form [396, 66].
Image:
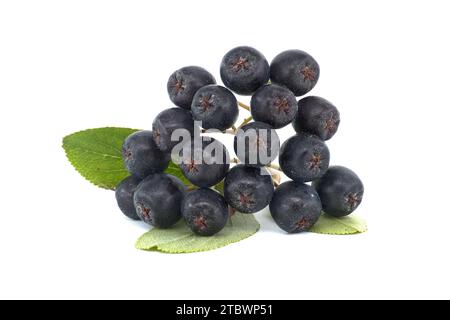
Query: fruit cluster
[161, 199]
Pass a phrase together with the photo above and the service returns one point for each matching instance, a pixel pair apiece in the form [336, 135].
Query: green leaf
[220, 187]
[180, 238]
[96, 155]
[339, 226]
[174, 170]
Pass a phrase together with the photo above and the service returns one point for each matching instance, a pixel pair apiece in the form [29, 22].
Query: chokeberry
[167, 122]
[184, 83]
[340, 190]
[244, 70]
[274, 105]
[296, 70]
[248, 189]
[256, 144]
[205, 211]
[205, 164]
[295, 207]
[304, 157]
[317, 116]
[142, 156]
[216, 107]
[124, 196]
[158, 200]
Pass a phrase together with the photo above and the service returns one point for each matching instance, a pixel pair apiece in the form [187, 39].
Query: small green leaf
[96, 155]
[220, 187]
[180, 238]
[339, 226]
[174, 170]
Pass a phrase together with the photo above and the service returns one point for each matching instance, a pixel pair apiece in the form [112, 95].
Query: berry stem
[246, 120]
[274, 172]
[231, 213]
[274, 166]
[276, 176]
[244, 106]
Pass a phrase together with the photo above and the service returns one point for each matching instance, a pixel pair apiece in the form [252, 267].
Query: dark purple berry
[274, 105]
[295, 207]
[304, 157]
[340, 190]
[205, 211]
[184, 83]
[317, 116]
[158, 200]
[205, 164]
[256, 144]
[167, 122]
[142, 156]
[216, 107]
[296, 70]
[248, 189]
[124, 196]
[244, 70]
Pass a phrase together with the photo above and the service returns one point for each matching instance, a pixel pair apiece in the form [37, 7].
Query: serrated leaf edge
[157, 249]
[356, 231]
[66, 151]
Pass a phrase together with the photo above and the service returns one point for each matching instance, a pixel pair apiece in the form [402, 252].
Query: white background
[72, 65]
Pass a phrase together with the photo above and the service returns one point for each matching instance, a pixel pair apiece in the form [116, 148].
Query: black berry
[317, 116]
[274, 105]
[216, 107]
[295, 207]
[256, 144]
[205, 211]
[206, 164]
[296, 70]
[184, 83]
[167, 122]
[158, 200]
[124, 196]
[304, 157]
[142, 156]
[244, 70]
[340, 190]
[248, 189]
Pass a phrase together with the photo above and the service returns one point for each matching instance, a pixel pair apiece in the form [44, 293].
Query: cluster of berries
[161, 199]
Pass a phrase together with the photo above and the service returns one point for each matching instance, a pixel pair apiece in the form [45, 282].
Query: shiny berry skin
[295, 207]
[158, 200]
[248, 189]
[340, 190]
[304, 157]
[259, 142]
[274, 105]
[184, 83]
[206, 164]
[166, 122]
[317, 116]
[142, 156]
[296, 70]
[124, 196]
[205, 211]
[216, 107]
[244, 70]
